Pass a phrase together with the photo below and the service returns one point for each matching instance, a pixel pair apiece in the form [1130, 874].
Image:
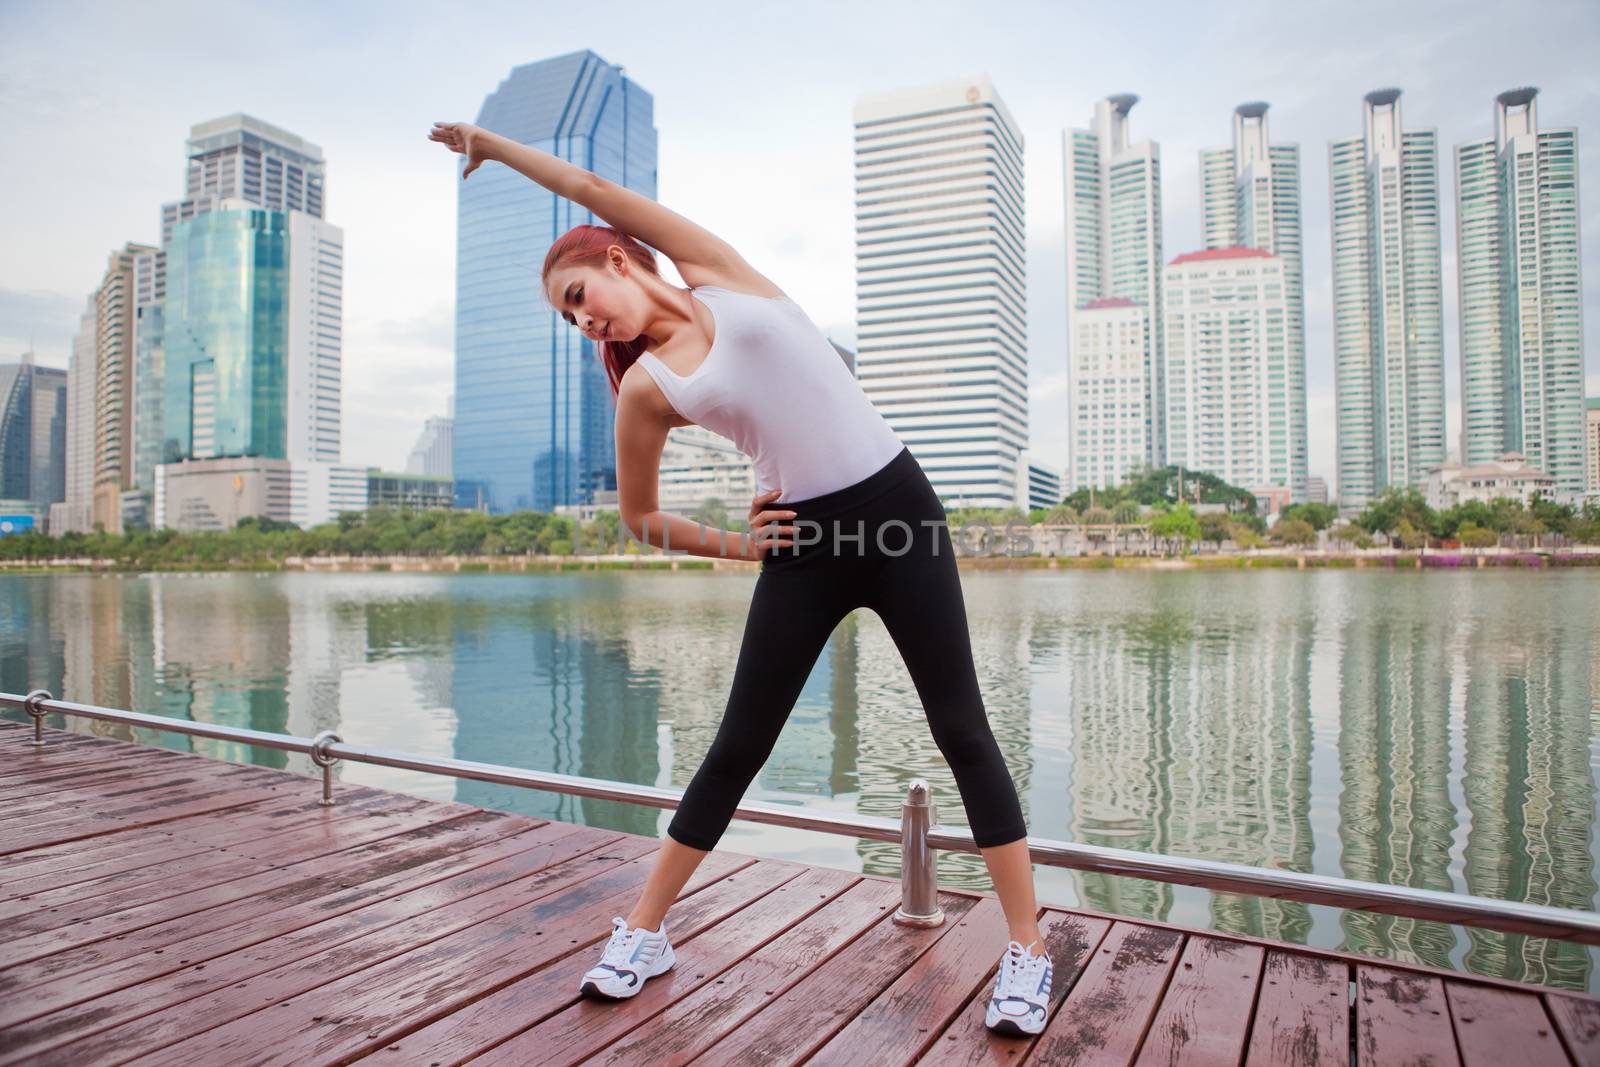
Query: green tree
[1216, 527]
[1411, 538]
[1319, 516]
[1176, 525]
[1295, 532]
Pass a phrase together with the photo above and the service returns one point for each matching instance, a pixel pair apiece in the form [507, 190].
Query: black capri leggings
[881, 543]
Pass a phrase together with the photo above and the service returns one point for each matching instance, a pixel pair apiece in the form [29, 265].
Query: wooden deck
[164, 908]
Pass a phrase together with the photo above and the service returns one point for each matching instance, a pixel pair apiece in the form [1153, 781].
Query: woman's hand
[764, 532]
[466, 139]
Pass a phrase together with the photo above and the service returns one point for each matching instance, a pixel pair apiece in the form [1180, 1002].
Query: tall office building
[534, 416]
[1233, 409]
[1519, 271]
[941, 282]
[1109, 392]
[272, 242]
[114, 386]
[76, 511]
[241, 157]
[1387, 317]
[1591, 445]
[149, 399]
[249, 308]
[1250, 198]
[1113, 222]
[33, 438]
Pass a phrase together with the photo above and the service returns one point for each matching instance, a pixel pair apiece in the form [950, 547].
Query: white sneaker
[630, 957]
[1021, 997]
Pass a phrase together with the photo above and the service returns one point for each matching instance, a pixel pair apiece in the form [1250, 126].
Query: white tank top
[774, 386]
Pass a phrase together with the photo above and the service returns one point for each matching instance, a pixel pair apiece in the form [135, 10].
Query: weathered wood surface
[166, 909]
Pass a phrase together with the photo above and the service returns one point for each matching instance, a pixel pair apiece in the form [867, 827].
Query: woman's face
[600, 301]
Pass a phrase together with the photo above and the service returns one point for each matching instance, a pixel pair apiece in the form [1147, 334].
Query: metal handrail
[916, 827]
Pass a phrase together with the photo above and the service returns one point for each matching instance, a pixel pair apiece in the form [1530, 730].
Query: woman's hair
[586, 246]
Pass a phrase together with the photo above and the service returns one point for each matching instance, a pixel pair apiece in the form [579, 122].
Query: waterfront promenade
[165, 908]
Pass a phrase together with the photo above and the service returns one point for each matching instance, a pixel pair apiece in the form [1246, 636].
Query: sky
[753, 106]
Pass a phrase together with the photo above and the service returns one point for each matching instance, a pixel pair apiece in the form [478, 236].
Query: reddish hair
[586, 246]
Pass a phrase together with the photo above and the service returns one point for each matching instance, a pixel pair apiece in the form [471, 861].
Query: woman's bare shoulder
[639, 388]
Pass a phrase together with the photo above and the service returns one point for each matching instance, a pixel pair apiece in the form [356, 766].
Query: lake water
[1427, 729]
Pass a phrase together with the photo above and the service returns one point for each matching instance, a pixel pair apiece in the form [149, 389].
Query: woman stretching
[845, 518]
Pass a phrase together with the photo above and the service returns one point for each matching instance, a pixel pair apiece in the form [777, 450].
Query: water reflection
[1434, 730]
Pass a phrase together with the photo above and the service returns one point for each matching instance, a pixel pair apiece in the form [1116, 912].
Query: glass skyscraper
[534, 414]
[1521, 294]
[1388, 330]
[227, 336]
[33, 436]
[253, 340]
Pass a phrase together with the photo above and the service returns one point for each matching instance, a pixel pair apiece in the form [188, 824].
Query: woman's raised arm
[661, 228]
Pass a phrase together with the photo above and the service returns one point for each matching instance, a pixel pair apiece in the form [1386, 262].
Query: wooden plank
[1495, 1027]
[123, 797]
[1204, 1018]
[552, 1024]
[142, 858]
[170, 1008]
[1104, 1018]
[1402, 1018]
[72, 772]
[318, 838]
[320, 1010]
[97, 825]
[273, 889]
[713, 971]
[177, 798]
[903, 1020]
[1577, 1019]
[800, 1016]
[102, 789]
[171, 972]
[1071, 941]
[1302, 1013]
[275, 813]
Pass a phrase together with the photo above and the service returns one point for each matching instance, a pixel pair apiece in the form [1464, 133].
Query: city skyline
[400, 278]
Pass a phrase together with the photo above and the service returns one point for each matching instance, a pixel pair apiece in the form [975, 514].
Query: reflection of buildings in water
[546, 694]
[1395, 812]
[1247, 754]
[34, 643]
[320, 645]
[1120, 760]
[896, 744]
[101, 636]
[1530, 789]
[226, 642]
[1195, 743]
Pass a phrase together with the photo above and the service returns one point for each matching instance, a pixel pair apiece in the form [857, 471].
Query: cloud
[39, 321]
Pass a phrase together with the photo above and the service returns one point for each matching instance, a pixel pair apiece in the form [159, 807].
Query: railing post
[919, 870]
[30, 704]
[319, 756]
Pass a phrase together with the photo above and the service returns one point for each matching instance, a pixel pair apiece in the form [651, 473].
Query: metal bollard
[319, 756]
[919, 871]
[30, 704]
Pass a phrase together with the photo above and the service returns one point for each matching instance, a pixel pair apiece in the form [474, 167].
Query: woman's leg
[918, 596]
[790, 621]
